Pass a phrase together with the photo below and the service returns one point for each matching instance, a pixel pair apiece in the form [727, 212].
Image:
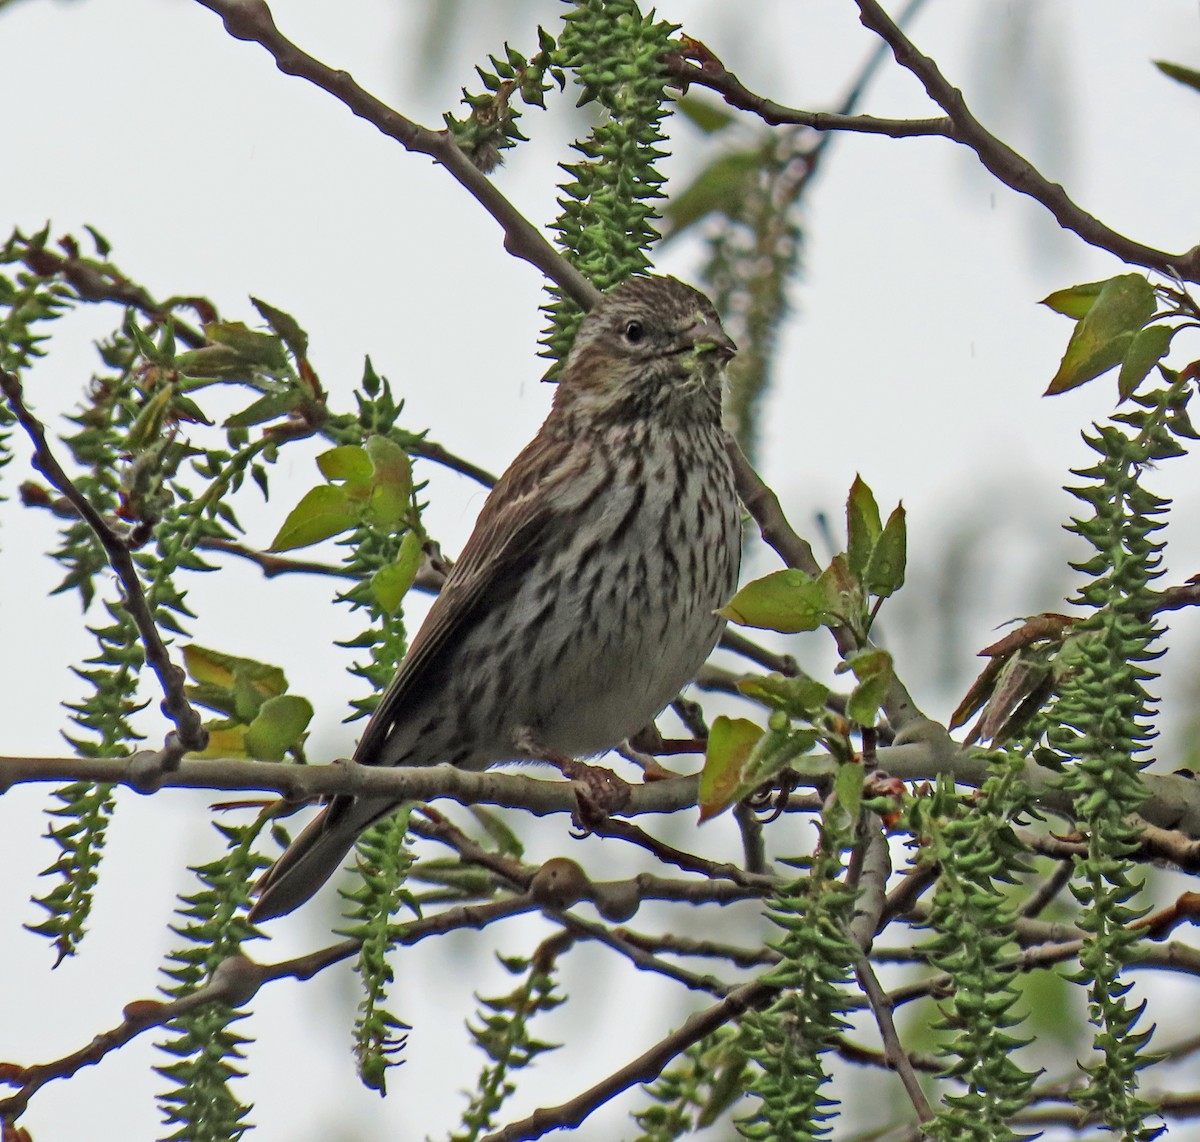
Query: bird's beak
[708, 337]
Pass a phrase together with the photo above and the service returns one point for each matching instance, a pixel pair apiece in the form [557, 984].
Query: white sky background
[916, 356]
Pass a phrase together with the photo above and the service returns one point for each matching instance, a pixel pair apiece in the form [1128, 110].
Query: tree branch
[235, 982]
[696, 64]
[98, 283]
[189, 734]
[959, 125]
[305, 783]
[894, 1054]
[644, 1068]
[429, 450]
[1011, 168]
[1174, 800]
[251, 20]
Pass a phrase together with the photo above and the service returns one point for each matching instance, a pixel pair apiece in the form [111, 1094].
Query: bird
[587, 594]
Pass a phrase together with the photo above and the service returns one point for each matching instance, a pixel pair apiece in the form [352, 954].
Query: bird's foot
[598, 791]
[651, 770]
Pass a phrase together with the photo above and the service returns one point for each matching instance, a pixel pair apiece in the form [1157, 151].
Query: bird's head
[654, 348]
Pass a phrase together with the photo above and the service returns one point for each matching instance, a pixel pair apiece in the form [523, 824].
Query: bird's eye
[634, 332]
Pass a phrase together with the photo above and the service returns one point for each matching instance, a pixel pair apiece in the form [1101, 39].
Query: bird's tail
[314, 856]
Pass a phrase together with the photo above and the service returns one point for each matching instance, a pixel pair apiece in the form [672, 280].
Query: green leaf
[502, 836]
[279, 725]
[267, 407]
[717, 189]
[389, 584]
[209, 667]
[349, 462]
[184, 408]
[874, 671]
[148, 426]
[708, 116]
[744, 759]
[102, 244]
[211, 361]
[730, 741]
[256, 348]
[145, 344]
[1145, 351]
[1179, 73]
[796, 697]
[848, 788]
[224, 741]
[391, 490]
[863, 526]
[286, 326]
[786, 601]
[325, 511]
[1076, 300]
[885, 572]
[1103, 336]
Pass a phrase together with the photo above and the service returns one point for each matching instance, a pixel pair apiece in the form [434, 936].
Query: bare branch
[1011, 168]
[763, 504]
[708, 71]
[251, 20]
[644, 1068]
[96, 284]
[696, 64]
[428, 450]
[895, 1056]
[638, 955]
[305, 783]
[687, 861]
[737, 955]
[190, 733]
[1049, 889]
[1174, 800]
[235, 982]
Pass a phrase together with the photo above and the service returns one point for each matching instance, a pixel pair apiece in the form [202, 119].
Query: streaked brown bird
[586, 596]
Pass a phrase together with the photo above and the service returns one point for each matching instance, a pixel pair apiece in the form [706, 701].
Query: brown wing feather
[505, 537]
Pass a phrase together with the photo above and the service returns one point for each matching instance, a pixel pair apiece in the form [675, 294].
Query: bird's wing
[504, 541]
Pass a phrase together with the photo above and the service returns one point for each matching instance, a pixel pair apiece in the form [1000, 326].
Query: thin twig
[959, 125]
[870, 868]
[738, 643]
[894, 1053]
[739, 956]
[763, 504]
[428, 450]
[644, 1068]
[857, 1053]
[430, 576]
[95, 284]
[190, 734]
[638, 955]
[695, 64]
[1049, 888]
[273, 565]
[1011, 168]
[754, 848]
[235, 982]
[628, 831]
[251, 20]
